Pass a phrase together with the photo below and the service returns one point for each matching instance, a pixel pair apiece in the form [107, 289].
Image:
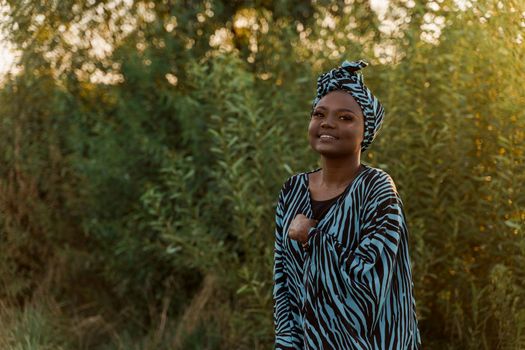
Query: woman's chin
[328, 152]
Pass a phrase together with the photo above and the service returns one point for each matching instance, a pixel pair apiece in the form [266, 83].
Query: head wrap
[345, 78]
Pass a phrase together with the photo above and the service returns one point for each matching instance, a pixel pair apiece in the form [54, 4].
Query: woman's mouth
[324, 137]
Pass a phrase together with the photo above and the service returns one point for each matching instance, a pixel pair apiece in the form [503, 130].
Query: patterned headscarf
[345, 78]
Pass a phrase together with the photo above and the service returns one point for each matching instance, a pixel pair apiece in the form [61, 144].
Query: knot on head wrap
[347, 79]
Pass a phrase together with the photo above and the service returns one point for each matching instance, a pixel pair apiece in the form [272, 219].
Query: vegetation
[144, 144]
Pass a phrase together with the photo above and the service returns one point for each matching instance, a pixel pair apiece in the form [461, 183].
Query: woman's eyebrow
[338, 110]
[346, 110]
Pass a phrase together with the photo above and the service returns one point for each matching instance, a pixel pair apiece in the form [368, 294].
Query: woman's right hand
[299, 228]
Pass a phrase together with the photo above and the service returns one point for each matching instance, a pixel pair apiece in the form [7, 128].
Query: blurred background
[143, 146]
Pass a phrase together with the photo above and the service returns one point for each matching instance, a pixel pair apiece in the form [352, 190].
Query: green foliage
[34, 327]
[138, 185]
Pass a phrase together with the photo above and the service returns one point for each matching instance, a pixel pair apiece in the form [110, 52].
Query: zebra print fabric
[352, 288]
[347, 79]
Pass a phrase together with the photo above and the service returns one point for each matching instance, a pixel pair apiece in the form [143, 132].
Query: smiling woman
[342, 273]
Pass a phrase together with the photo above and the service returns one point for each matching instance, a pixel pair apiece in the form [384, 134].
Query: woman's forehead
[339, 100]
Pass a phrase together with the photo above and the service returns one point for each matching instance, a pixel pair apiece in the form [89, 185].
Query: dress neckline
[326, 200]
[365, 167]
[339, 197]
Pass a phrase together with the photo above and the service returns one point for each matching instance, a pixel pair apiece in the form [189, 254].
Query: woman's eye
[317, 115]
[346, 117]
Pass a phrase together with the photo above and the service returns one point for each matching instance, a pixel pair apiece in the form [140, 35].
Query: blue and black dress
[351, 288]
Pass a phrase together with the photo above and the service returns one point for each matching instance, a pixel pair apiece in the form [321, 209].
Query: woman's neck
[336, 173]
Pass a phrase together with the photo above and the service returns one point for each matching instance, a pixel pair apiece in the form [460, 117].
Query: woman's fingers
[299, 227]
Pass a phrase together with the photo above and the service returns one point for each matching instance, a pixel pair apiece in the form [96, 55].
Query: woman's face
[339, 118]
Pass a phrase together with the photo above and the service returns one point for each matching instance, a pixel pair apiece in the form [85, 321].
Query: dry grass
[194, 311]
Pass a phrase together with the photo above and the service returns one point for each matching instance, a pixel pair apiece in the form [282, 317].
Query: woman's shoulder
[380, 186]
[292, 181]
[379, 177]
[289, 188]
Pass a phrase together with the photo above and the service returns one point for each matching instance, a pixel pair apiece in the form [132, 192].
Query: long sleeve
[365, 273]
[281, 311]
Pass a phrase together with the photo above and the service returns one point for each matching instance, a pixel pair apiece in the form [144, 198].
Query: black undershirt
[320, 208]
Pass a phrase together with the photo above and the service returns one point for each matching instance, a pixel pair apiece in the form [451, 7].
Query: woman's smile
[327, 138]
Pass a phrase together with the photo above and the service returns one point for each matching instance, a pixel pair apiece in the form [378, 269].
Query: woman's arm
[281, 311]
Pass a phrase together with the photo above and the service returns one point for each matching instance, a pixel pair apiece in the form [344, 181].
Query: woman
[342, 273]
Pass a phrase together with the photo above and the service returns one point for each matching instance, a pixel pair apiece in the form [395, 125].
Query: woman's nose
[327, 122]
